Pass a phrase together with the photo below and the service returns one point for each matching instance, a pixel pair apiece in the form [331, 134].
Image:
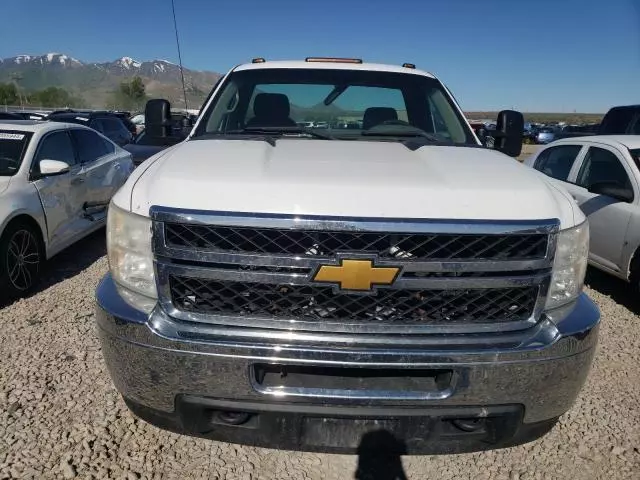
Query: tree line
[130, 95]
[48, 97]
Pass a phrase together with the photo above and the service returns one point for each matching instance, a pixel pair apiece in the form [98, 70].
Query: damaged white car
[56, 180]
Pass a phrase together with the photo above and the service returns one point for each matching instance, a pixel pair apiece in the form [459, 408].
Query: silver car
[546, 135]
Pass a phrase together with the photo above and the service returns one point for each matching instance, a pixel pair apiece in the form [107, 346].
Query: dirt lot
[60, 417]
[528, 150]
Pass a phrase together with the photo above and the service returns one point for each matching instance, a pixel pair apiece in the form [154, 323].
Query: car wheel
[21, 257]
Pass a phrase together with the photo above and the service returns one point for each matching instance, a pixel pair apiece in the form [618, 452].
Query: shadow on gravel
[619, 291]
[69, 263]
[379, 457]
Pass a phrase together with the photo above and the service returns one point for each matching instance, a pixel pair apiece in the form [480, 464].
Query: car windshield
[343, 104]
[13, 144]
[635, 153]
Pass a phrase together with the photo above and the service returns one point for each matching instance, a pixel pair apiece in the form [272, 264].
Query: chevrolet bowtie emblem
[356, 275]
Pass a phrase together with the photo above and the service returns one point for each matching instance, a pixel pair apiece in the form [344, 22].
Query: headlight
[130, 257]
[570, 265]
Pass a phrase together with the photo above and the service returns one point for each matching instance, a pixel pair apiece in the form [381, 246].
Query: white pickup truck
[301, 289]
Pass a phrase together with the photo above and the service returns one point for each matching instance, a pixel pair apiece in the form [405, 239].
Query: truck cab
[288, 287]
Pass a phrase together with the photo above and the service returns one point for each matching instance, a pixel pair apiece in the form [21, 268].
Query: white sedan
[602, 173]
[56, 180]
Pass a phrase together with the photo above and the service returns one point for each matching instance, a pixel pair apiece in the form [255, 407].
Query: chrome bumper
[152, 362]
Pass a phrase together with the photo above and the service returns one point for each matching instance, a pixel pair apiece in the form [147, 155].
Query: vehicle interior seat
[271, 110]
[376, 115]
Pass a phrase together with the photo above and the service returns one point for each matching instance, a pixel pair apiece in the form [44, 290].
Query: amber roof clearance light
[333, 60]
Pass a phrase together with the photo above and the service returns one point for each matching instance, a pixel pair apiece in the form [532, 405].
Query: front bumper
[203, 382]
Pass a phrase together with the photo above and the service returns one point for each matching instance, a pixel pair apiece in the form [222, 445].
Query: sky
[530, 55]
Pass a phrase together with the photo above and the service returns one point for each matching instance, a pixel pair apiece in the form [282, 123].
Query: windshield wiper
[267, 134]
[283, 131]
[238, 134]
[402, 133]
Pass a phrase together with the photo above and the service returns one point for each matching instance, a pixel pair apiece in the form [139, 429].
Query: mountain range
[96, 82]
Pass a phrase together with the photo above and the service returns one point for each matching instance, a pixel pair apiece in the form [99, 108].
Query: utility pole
[175, 28]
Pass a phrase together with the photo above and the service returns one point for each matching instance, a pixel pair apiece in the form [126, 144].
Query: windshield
[635, 153]
[343, 103]
[13, 144]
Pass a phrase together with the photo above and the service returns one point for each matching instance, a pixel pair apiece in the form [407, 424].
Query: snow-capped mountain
[94, 80]
[47, 59]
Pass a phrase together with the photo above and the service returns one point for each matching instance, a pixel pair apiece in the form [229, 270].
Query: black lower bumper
[337, 429]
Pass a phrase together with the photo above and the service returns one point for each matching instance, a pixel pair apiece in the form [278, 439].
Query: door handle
[77, 181]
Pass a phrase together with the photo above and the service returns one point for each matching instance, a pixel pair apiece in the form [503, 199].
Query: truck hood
[345, 178]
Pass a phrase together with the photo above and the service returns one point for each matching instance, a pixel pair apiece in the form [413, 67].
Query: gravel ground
[60, 417]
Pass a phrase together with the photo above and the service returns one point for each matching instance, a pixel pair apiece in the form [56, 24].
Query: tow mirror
[157, 114]
[613, 190]
[508, 133]
[50, 168]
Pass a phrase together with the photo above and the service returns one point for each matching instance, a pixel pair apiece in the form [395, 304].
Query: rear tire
[21, 258]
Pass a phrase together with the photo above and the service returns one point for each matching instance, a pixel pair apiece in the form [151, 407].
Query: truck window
[556, 162]
[346, 102]
[306, 102]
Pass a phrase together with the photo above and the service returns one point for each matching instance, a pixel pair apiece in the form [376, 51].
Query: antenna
[175, 27]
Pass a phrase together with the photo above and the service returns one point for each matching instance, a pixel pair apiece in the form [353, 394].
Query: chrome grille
[318, 303]
[256, 271]
[409, 246]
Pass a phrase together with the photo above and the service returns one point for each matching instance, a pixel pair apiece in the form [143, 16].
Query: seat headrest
[376, 115]
[274, 105]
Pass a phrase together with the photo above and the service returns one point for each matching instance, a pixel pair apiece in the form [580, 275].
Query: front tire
[21, 257]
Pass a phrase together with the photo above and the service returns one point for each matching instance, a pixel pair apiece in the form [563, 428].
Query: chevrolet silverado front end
[280, 287]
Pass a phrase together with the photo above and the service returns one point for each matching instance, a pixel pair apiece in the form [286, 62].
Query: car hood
[344, 178]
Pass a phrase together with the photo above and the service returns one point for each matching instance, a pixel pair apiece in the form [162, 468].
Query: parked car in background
[602, 173]
[56, 180]
[10, 116]
[107, 123]
[31, 115]
[546, 135]
[125, 118]
[530, 134]
[623, 120]
[145, 146]
[138, 121]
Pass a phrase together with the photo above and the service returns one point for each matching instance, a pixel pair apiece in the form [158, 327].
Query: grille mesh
[408, 246]
[321, 303]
